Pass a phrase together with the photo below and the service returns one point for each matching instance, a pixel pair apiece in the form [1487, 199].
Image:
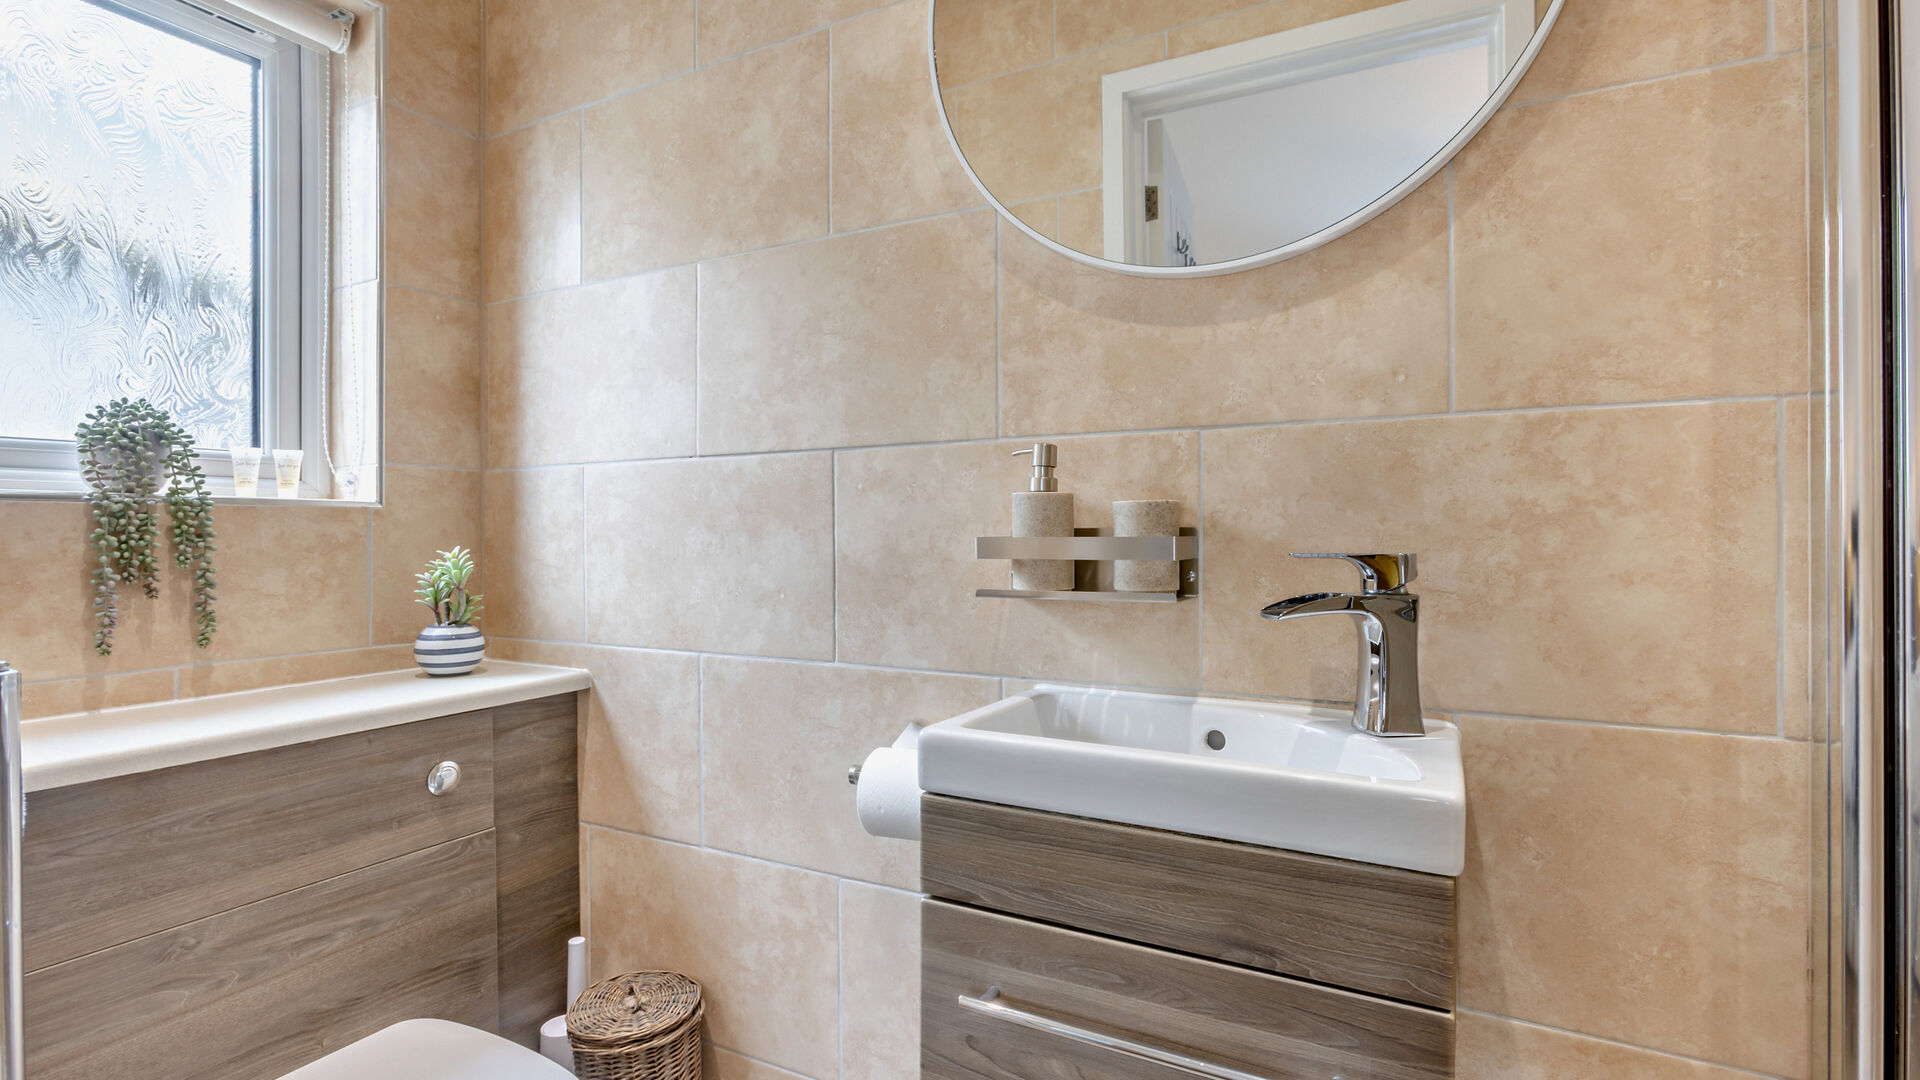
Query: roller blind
[327, 27]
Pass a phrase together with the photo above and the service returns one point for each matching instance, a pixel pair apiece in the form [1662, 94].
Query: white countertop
[80, 747]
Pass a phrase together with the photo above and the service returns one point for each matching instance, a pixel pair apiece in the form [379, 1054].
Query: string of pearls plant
[133, 457]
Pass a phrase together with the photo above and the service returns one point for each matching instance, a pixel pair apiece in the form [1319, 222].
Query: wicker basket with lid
[643, 1026]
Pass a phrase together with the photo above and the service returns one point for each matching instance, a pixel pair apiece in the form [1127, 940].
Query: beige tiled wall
[756, 356]
[311, 591]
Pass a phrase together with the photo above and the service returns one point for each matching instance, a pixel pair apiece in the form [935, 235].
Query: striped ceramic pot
[449, 650]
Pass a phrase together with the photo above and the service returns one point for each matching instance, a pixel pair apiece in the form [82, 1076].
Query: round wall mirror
[1173, 138]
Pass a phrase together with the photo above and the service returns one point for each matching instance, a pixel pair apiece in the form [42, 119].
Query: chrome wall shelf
[1093, 552]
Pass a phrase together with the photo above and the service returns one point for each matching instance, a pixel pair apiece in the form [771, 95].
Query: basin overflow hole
[1216, 740]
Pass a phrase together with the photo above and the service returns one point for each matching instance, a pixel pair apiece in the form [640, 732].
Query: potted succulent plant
[452, 645]
[133, 457]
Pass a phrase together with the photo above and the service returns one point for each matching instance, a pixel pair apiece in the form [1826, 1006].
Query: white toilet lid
[431, 1050]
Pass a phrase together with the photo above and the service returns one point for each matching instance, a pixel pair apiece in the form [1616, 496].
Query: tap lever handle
[1378, 573]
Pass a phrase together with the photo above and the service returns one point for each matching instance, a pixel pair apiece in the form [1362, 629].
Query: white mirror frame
[1306, 243]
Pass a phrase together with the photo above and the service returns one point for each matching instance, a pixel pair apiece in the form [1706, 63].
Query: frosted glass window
[128, 223]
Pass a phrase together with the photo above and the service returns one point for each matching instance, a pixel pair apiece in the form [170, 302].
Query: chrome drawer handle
[989, 1004]
[444, 778]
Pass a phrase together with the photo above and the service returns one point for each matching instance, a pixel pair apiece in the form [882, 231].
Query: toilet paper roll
[888, 796]
[553, 1042]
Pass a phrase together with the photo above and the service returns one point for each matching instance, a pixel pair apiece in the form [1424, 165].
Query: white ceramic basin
[1283, 776]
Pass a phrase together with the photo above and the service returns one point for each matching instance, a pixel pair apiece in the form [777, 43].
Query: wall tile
[567, 382]
[1492, 1048]
[433, 59]
[1563, 558]
[532, 554]
[1637, 885]
[731, 27]
[1357, 328]
[891, 156]
[1082, 224]
[427, 511]
[759, 938]
[234, 676]
[906, 572]
[432, 372]
[640, 736]
[293, 579]
[433, 207]
[1041, 215]
[1790, 24]
[45, 563]
[530, 224]
[39, 699]
[1803, 463]
[726, 1065]
[730, 158]
[1037, 132]
[1080, 25]
[879, 983]
[805, 346]
[548, 56]
[1598, 43]
[729, 555]
[978, 41]
[1628, 246]
[1260, 20]
[772, 733]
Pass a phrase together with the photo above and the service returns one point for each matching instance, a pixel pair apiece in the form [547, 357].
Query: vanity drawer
[107, 862]
[1070, 1006]
[1371, 928]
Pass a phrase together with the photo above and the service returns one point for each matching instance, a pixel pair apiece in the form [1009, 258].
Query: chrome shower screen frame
[1864, 178]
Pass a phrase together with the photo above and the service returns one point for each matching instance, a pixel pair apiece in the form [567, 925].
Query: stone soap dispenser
[1043, 510]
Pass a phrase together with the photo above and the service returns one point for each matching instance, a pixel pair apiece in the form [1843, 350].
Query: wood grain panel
[537, 821]
[1371, 928]
[251, 993]
[1262, 1024]
[106, 862]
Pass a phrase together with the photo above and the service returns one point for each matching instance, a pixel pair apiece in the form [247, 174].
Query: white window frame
[291, 261]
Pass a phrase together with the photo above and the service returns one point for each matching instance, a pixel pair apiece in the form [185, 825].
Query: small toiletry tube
[1146, 517]
[286, 473]
[246, 470]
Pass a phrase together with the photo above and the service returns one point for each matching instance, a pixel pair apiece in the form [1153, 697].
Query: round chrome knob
[444, 778]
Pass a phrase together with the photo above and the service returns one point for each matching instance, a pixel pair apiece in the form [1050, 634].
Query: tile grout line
[840, 974]
[834, 552]
[830, 50]
[1452, 273]
[999, 278]
[700, 739]
[1780, 569]
[1650, 80]
[371, 635]
[1612, 1042]
[585, 595]
[587, 282]
[684, 72]
[1200, 560]
[1342, 703]
[1254, 425]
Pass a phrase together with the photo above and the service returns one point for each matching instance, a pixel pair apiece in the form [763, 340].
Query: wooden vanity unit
[234, 918]
[1055, 948]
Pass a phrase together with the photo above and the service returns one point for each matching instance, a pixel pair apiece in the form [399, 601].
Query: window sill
[79, 495]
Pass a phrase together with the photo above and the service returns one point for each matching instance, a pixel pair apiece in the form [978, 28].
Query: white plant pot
[449, 650]
[114, 463]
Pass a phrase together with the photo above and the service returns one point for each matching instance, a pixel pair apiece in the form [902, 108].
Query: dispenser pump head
[1046, 456]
